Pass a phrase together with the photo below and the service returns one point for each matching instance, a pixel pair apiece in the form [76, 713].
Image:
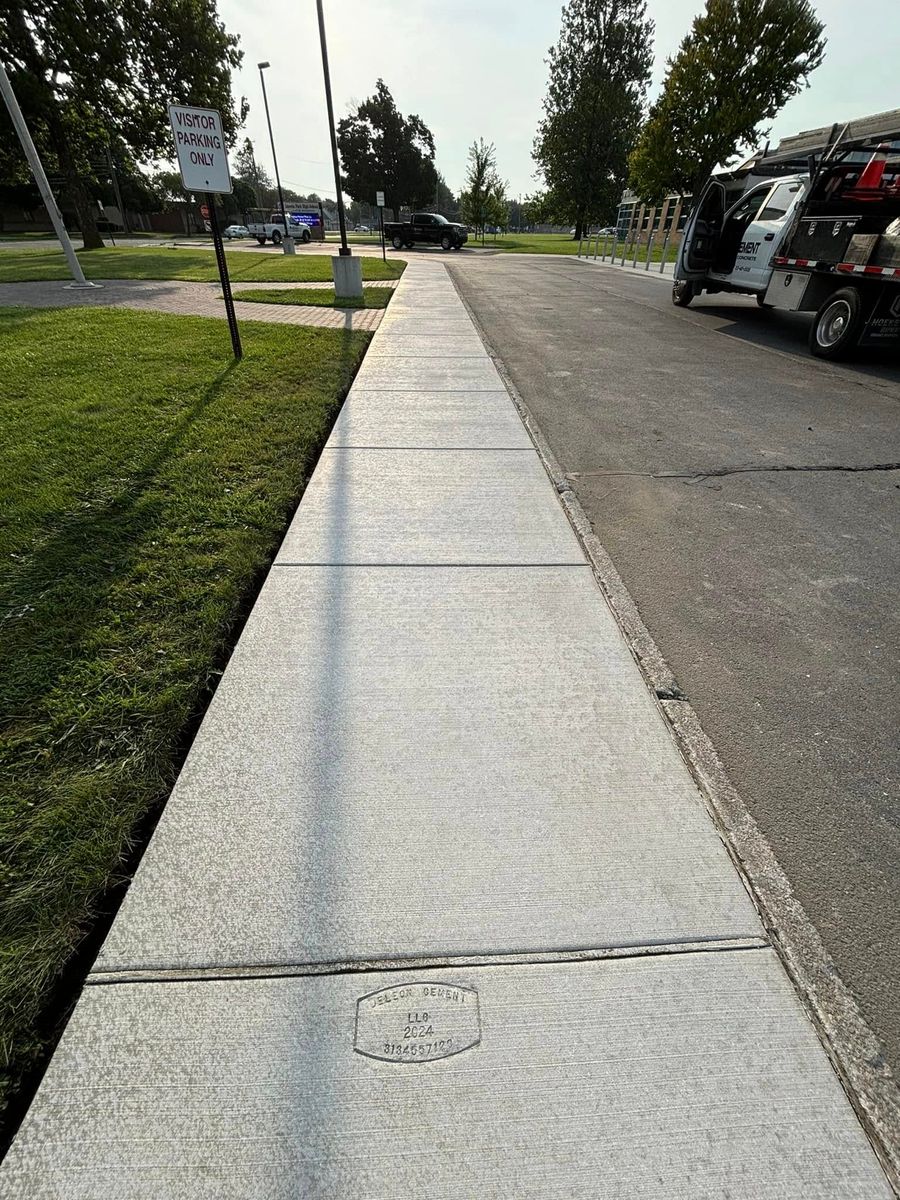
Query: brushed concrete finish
[427, 761]
[427, 420]
[421, 506]
[691, 1077]
[418, 374]
[407, 345]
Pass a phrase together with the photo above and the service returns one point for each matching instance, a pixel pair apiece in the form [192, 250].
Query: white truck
[273, 229]
[813, 226]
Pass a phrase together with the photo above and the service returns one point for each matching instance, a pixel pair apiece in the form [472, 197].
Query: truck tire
[683, 292]
[446, 242]
[276, 237]
[408, 245]
[261, 240]
[305, 236]
[397, 241]
[836, 326]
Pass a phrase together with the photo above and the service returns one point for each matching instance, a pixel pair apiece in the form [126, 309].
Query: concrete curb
[852, 1047]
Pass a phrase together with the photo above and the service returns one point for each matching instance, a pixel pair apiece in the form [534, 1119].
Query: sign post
[379, 203]
[203, 160]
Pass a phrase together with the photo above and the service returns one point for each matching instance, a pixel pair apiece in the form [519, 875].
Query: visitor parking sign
[200, 144]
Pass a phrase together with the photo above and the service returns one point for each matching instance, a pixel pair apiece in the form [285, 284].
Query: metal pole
[345, 249]
[223, 277]
[381, 222]
[673, 228]
[651, 237]
[41, 180]
[116, 189]
[288, 240]
[637, 237]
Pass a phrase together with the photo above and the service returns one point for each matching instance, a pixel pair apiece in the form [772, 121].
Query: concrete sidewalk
[435, 906]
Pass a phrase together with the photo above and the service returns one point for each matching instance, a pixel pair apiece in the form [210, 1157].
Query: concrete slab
[418, 762]
[692, 1077]
[434, 374]
[394, 343]
[429, 419]
[429, 506]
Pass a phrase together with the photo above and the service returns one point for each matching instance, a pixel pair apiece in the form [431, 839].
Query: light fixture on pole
[288, 240]
[345, 249]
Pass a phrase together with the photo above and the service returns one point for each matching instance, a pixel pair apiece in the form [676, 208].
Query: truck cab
[735, 233]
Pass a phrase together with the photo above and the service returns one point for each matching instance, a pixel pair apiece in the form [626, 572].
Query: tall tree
[599, 72]
[483, 199]
[246, 168]
[735, 69]
[381, 150]
[101, 72]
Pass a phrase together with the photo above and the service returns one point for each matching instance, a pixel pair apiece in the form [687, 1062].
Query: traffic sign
[379, 199]
[200, 145]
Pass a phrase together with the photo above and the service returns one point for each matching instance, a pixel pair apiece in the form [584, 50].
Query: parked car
[426, 227]
[362, 229]
[237, 231]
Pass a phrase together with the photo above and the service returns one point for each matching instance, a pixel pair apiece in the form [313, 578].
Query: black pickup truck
[425, 227]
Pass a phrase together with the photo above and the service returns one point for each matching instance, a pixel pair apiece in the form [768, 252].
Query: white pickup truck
[822, 239]
[273, 230]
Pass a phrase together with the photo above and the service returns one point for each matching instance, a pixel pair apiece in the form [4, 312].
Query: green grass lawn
[146, 482]
[374, 297]
[194, 264]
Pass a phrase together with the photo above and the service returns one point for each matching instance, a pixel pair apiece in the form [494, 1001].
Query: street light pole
[288, 240]
[345, 249]
[41, 180]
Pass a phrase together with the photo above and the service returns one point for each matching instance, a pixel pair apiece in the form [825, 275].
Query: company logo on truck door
[748, 249]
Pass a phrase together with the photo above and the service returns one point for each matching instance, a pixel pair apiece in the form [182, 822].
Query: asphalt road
[773, 594]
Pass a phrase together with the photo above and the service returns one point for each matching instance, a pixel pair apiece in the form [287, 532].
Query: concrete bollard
[347, 277]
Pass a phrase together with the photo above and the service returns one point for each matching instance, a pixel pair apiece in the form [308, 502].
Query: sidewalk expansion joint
[430, 963]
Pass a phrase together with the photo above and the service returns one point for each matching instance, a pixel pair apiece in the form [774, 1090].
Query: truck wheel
[446, 242]
[261, 240]
[305, 236]
[836, 325]
[397, 242]
[408, 245]
[276, 237]
[683, 292]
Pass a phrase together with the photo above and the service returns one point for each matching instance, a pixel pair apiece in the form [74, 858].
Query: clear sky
[475, 68]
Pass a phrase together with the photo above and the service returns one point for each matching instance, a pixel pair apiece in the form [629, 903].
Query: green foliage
[381, 150]
[101, 72]
[247, 171]
[483, 200]
[742, 60]
[147, 481]
[599, 71]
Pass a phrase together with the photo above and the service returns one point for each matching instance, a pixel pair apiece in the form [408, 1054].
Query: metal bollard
[650, 241]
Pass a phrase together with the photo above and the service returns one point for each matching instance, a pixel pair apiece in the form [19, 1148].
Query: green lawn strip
[375, 297]
[145, 485]
[195, 265]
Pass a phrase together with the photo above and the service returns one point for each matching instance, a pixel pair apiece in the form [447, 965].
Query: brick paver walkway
[185, 299]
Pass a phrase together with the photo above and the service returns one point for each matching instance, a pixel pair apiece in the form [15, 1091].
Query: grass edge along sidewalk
[147, 481]
[190, 265]
[374, 297]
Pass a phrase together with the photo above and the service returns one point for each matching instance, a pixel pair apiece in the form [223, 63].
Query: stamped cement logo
[417, 1022]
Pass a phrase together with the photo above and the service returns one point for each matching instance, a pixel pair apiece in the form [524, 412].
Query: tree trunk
[85, 208]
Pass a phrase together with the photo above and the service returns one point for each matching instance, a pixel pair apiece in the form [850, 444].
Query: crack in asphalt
[719, 472]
